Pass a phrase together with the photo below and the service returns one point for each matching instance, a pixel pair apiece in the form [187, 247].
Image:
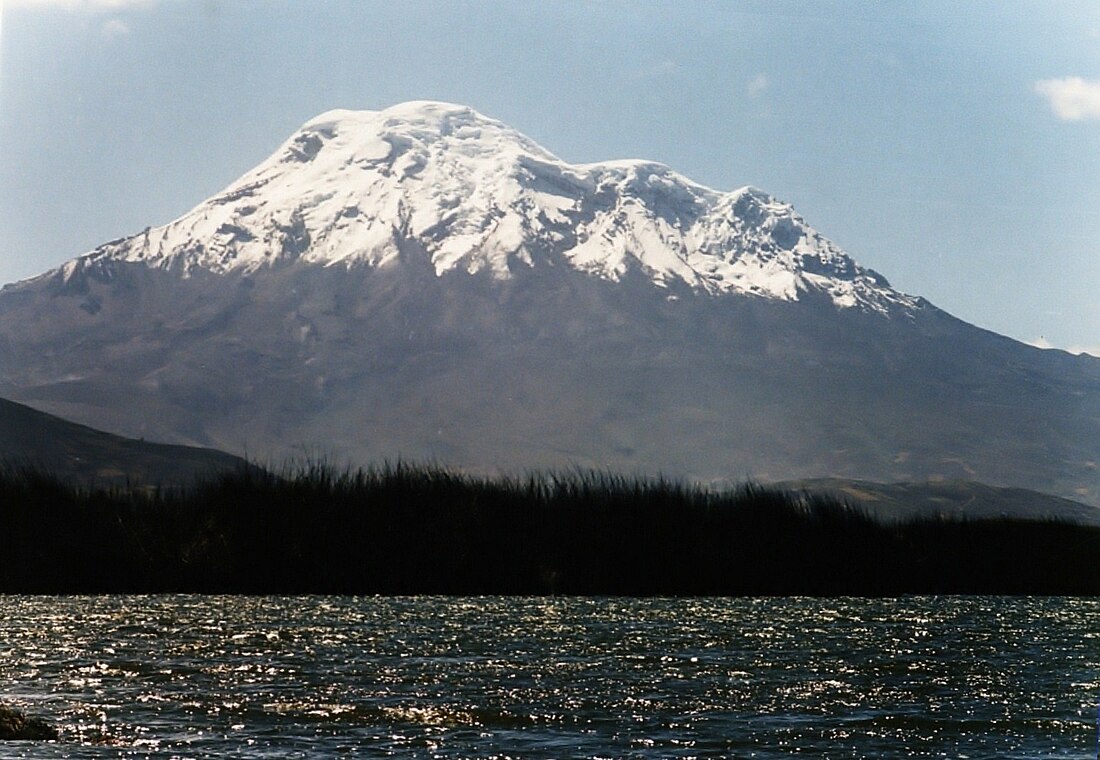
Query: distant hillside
[427, 283]
[85, 456]
[953, 499]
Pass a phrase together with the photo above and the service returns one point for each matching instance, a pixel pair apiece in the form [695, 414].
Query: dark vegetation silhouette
[403, 529]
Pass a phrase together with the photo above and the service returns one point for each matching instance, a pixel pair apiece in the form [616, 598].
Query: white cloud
[1071, 98]
[1042, 342]
[1090, 350]
[80, 5]
[116, 27]
[757, 85]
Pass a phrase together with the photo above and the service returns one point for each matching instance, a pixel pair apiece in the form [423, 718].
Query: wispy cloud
[757, 85]
[1071, 98]
[115, 28]
[81, 5]
[1042, 342]
[1090, 350]
[665, 66]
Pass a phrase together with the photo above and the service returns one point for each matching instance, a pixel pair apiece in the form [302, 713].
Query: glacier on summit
[354, 187]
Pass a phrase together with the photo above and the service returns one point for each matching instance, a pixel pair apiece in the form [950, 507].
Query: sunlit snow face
[475, 195]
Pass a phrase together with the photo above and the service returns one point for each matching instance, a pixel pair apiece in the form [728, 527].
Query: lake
[290, 677]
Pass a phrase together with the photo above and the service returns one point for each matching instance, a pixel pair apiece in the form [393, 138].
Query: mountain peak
[413, 125]
[475, 195]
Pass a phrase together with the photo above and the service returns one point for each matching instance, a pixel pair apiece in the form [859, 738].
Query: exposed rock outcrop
[14, 725]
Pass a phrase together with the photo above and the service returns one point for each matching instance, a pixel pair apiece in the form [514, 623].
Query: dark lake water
[190, 676]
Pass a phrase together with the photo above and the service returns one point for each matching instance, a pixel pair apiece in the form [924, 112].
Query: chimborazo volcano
[425, 282]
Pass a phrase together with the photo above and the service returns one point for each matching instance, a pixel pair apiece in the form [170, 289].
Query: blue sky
[953, 147]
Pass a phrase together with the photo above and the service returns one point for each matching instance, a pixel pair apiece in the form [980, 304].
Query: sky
[952, 147]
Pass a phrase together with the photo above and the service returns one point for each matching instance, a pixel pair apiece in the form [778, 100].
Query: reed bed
[422, 529]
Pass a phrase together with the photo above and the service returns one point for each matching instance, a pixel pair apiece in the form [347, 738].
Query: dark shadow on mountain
[84, 456]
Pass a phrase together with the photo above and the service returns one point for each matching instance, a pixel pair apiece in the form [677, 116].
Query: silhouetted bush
[402, 529]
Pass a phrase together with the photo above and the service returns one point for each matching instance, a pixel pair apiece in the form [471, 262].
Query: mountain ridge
[947, 500]
[429, 356]
[87, 457]
[359, 186]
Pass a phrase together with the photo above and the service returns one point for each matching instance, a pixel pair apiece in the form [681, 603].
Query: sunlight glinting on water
[295, 677]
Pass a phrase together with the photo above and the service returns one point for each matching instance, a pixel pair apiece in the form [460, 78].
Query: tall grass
[402, 529]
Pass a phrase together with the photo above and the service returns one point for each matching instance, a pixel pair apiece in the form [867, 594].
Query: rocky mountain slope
[425, 282]
[954, 499]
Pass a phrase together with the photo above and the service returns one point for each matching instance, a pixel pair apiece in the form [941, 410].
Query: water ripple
[273, 677]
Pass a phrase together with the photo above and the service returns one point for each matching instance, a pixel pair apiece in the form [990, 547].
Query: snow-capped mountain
[357, 187]
[425, 282]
